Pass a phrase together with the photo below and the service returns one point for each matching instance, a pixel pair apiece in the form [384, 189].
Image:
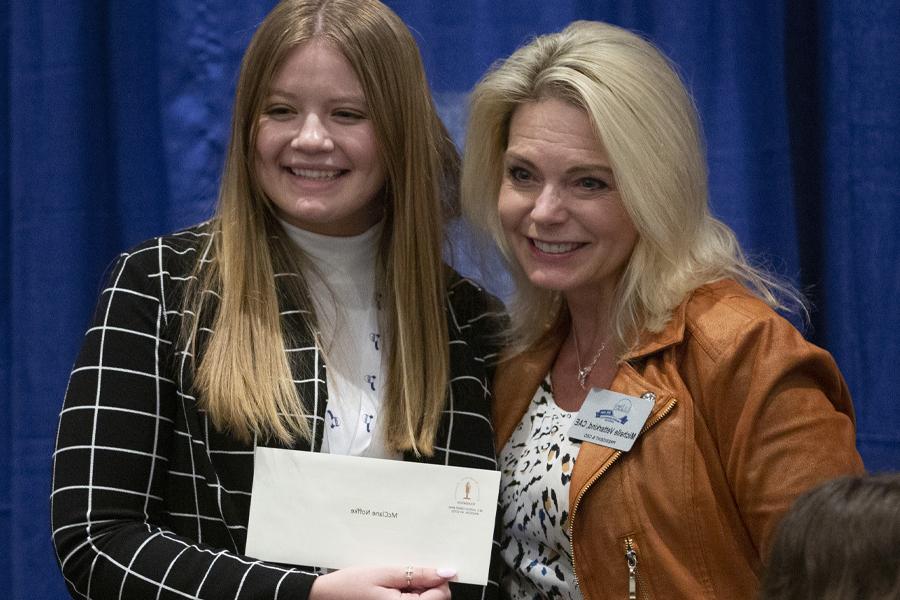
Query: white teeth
[555, 248]
[315, 174]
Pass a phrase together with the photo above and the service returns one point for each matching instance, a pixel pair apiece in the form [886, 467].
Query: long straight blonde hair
[243, 377]
[646, 120]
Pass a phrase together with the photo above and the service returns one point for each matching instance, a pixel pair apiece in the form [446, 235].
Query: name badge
[610, 419]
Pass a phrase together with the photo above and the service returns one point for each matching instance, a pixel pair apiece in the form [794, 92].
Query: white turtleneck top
[342, 285]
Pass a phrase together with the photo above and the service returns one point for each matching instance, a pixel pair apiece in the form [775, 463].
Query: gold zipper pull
[631, 558]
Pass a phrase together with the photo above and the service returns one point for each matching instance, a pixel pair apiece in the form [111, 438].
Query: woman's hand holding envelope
[383, 583]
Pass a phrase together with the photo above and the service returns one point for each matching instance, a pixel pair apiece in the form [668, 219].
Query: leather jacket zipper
[606, 467]
[631, 558]
[659, 417]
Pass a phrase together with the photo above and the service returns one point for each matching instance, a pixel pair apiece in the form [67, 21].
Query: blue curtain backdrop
[115, 116]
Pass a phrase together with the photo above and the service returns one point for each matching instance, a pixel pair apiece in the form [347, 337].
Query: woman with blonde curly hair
[312, 312]
[655, 417]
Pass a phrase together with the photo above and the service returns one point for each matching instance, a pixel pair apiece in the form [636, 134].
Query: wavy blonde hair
[648, 125]
[243, 377]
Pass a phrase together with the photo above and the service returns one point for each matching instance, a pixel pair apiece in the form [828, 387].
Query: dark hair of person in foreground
[839, 541]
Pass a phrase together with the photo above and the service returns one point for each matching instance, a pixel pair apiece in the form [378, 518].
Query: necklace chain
[584, 372]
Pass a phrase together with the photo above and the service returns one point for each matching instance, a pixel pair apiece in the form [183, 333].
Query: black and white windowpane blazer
[149, 499]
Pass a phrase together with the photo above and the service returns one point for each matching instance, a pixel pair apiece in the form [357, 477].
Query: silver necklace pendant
[582, 376]
[584, 372]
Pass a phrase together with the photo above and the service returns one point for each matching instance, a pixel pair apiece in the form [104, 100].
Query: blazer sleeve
[477, 322]
[116, 430]
[783, 419]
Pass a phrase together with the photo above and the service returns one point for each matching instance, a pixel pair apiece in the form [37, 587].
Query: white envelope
[335, 511]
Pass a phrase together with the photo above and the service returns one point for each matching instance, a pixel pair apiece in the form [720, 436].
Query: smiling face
[317, 156]
[558, 203]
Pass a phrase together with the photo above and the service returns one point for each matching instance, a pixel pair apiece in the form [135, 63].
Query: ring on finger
[409, 576]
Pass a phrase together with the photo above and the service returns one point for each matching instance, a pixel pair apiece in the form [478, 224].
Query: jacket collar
[672, 334]
[518, 377]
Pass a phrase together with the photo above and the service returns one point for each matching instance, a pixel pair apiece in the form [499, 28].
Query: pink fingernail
[446, 573]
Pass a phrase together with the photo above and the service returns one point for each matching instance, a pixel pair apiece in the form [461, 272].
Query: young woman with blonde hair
[584, 161]
[313, 312]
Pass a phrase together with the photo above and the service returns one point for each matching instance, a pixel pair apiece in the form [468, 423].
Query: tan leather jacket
[747, 416]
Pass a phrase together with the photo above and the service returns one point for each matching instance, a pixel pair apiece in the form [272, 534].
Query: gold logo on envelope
[467, 490]
[468, 497]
